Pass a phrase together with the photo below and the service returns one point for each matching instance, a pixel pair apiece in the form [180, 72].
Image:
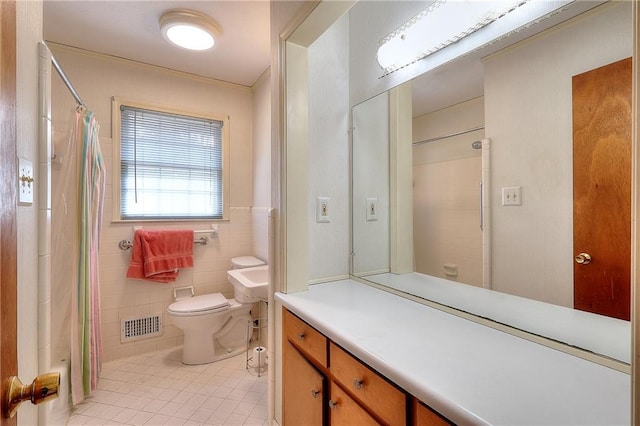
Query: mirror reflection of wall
[525, 108]
[528, 103]
[447, 172]
[371, 172]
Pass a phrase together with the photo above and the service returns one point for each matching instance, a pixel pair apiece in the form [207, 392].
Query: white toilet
[214, 327]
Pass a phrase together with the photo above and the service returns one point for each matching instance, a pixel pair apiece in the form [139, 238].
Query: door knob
[583, 258]
[43, 388]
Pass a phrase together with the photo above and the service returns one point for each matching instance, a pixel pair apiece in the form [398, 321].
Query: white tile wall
[123, 298]
[446, 219]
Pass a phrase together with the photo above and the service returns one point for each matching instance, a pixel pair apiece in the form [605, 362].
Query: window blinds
[170, 165]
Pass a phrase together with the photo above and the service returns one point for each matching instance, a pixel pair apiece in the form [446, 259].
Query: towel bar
[127, 244]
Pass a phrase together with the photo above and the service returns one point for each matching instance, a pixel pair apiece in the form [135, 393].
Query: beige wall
[446, 179]
[98, 78]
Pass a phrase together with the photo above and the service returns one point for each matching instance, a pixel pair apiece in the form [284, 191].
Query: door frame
[8, 204]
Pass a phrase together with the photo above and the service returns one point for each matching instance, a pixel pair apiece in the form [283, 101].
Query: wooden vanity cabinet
[304, 378]
[303, 390]
[322, 384]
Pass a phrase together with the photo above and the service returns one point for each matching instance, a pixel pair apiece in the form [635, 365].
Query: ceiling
[130, 30]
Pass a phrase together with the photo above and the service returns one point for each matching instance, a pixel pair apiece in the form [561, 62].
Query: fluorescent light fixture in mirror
[443, 23]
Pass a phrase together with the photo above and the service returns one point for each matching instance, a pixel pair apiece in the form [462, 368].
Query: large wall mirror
[494, 151]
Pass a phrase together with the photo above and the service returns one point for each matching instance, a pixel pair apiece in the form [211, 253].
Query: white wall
[29, 33]
[328, 60]
[446, 179]
[97, 78]
[528, 118]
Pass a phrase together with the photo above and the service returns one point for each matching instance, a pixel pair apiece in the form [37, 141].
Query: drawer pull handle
[333, 405]
[300, 336]
[357, 383]
[315, 393]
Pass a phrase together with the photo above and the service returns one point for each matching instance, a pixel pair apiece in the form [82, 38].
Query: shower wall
[98, 78]
[446, 194]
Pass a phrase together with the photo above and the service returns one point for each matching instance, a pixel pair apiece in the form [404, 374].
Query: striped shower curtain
[86, 342]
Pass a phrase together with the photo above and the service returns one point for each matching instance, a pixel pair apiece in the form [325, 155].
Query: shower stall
[452, 207]
[59, 233]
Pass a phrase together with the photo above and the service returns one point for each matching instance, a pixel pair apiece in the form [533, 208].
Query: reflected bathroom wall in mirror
[447, 176]
[524, 102]
[528, 104]
[371, 194]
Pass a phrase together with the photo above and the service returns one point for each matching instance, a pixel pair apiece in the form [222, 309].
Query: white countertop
[470, 373]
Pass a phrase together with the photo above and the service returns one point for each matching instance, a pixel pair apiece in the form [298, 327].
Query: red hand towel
[157, 255]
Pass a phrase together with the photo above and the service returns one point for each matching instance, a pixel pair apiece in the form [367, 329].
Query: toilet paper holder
[257, 356]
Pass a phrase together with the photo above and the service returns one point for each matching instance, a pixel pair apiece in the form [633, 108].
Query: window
[172, 165]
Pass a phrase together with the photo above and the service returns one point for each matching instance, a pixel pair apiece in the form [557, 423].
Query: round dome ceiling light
[189, 30]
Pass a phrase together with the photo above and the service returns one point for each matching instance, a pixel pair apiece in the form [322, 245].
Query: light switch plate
[512, 196]
[372, 209]
[322, 210]
[26, 183]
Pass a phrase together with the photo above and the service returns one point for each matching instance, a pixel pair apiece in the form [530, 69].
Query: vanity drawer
[305, 337]
[372, 390]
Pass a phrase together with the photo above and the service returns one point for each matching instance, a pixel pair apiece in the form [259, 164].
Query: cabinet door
[344, 411]
[303, 389]
[425, 416]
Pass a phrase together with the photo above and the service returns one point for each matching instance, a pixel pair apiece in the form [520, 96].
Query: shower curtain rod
[65, 79]
[462, 132]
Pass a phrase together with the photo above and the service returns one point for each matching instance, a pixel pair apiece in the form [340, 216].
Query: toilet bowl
[214, 327]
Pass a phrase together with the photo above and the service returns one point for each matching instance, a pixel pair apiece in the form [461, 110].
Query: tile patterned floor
[157, 389]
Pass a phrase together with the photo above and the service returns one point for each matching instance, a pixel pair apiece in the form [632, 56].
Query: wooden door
[8, 189]
[602, 189]
[303, 390]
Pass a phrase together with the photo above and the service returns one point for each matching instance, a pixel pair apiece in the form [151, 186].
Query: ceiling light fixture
[436, 27]
[189, 30]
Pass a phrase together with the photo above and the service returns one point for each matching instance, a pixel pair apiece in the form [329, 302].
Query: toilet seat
[199, 305]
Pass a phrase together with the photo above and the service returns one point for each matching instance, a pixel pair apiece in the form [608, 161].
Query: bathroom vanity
[354, 354]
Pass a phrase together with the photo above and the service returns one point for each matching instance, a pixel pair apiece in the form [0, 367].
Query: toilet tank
[245, 262]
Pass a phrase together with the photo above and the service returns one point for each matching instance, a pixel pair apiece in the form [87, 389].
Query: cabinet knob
[300, 336]
[332, 404]
[357, 383]
[315, 393]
